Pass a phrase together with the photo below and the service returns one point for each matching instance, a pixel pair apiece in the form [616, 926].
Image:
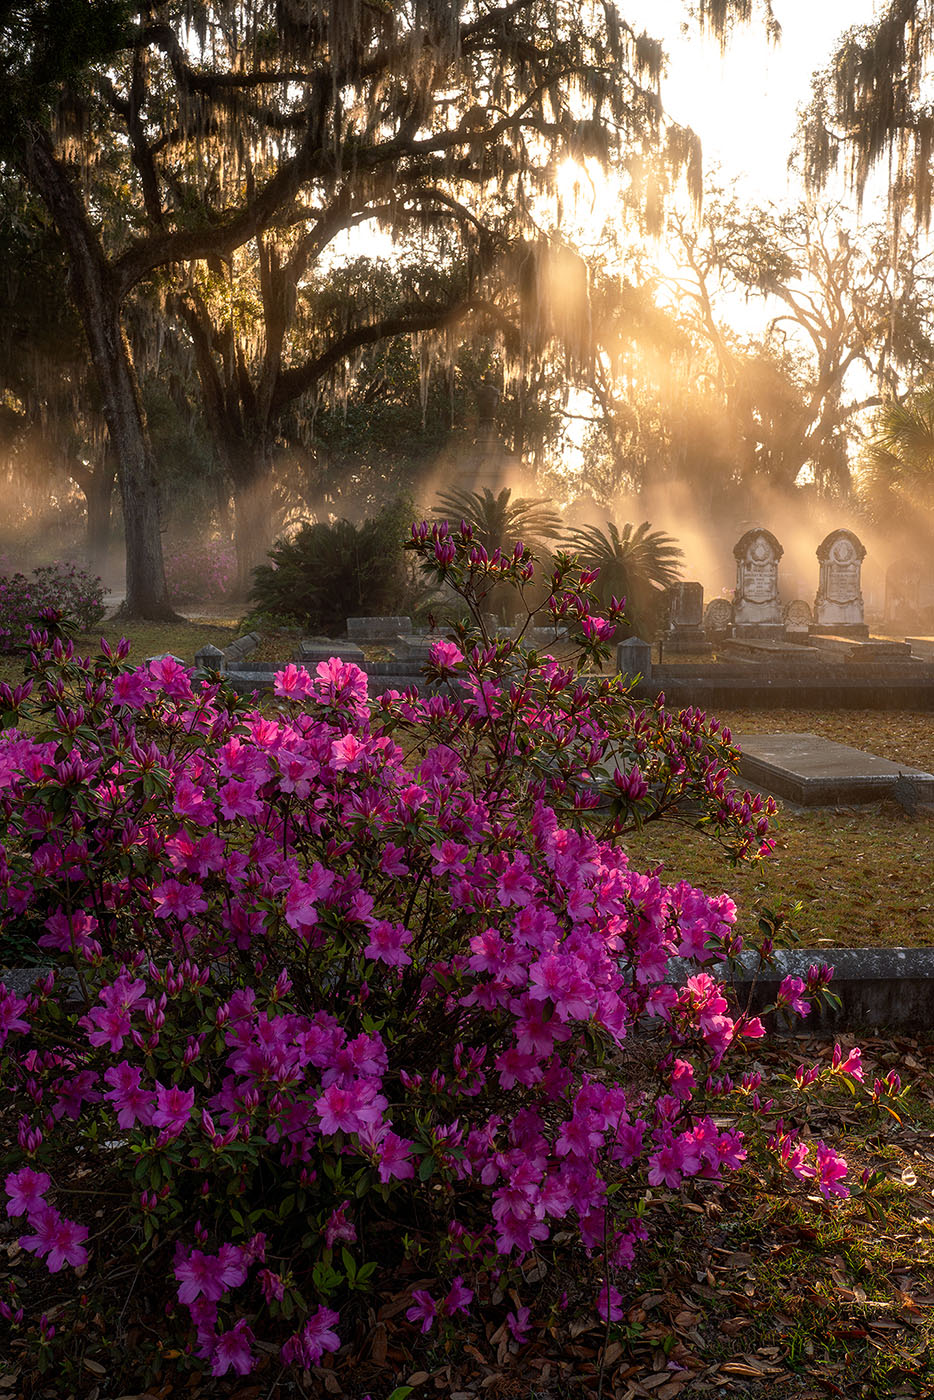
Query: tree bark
[98, 303]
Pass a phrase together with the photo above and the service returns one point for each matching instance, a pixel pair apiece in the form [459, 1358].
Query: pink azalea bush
[342, 989]
[71, 592]
[195, 569]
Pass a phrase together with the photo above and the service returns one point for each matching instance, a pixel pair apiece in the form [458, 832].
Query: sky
[743, 104]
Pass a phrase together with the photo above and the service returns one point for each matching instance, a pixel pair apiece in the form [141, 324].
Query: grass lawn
[146, 639]
[863, 874]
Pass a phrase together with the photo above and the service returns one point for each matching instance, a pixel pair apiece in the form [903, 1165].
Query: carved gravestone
[797, 618]
[718, 619]
[839, 604]
[685, 626]
[757, 606]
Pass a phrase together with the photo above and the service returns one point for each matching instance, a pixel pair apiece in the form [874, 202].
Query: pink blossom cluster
[348, 977]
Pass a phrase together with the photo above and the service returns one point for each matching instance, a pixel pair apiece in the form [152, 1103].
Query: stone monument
[718, 619]
[685, 626]
[838, 607]
[757, 606]
[797, 619]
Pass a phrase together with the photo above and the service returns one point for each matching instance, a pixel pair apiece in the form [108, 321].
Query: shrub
[352, 995]
[194, 569]
[327, 573]
[73, 594]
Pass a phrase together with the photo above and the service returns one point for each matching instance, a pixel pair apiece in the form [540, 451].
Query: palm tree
[635, 563]
[897, 479]
[499, 521]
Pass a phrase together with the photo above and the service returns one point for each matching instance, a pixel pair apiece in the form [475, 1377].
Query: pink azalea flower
[133, 689]
[424, 1309]
[56, 1240]
[200, 1276]
[307, 1347]
[789, 994]
[387, 943]
[338, 1227]
[232, 1351]
[830, 1169]
[26, 1190]
[349, 1109]
[11, 1021]
[519, 1323]
[609, 1299]
[173, 1108]
[394, 1159]
[174, 900]
[133, 1104]
[292, 683]
[458, 1299]
[445, 655]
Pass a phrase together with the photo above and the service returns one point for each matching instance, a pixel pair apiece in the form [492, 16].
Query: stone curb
[879, 988]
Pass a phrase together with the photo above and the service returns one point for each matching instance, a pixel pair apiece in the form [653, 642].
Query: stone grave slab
[922, 647]
[309, 653]
[851, 649]
[378, 629]
[755, 649]
[817, 772]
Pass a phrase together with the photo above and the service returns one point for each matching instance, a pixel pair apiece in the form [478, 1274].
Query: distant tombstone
[718, 618]
[797, 618]
[685, 626]
[687, 604]
[209, 659]
[839, 603]
[903, 582]
[634, 658]
[757, 607]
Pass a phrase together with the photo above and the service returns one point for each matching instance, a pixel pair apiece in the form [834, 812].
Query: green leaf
[401, 1392]
[426, 1168]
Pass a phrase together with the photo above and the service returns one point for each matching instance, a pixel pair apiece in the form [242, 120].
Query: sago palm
[636, 563]
[897, 479]
[498, 521]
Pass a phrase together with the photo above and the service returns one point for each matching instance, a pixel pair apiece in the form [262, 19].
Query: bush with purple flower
[352, 995]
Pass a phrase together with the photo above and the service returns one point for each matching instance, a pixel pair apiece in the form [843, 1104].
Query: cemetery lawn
[182, 639]
[862, 874]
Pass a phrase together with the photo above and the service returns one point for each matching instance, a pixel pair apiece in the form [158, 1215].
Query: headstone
[903, 583]
[797, 618]
[210, 659]
[838, 607]
[634, 658]
[378, 629]
[685, 626]
[242, 646]
[757, 607]
[718, 618]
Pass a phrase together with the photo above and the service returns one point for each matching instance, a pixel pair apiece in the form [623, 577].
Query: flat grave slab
[761, 649]
[309, 653]
[922, 647]
[840, 648]
[817, 772]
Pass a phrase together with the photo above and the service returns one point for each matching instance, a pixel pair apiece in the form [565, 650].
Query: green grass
[146, 639]
[862, 874]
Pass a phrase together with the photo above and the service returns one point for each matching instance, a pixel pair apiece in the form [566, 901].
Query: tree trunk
[252, 536]
[97, 302]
